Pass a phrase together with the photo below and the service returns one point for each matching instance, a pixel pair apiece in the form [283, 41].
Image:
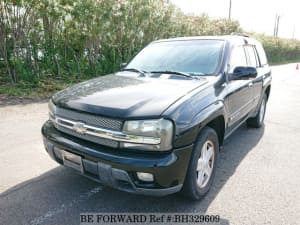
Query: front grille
[98, 121]
[98, 140]
[89, 119]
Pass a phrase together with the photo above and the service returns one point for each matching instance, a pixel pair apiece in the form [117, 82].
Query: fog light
[147, 177]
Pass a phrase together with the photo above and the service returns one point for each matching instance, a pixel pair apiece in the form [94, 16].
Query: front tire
[258, 120]
[202, 165]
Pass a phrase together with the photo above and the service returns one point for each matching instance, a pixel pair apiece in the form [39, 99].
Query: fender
[188, 134]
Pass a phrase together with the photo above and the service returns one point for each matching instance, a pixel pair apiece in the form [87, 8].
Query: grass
[42, 89]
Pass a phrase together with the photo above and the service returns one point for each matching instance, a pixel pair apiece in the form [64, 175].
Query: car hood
[126, 95]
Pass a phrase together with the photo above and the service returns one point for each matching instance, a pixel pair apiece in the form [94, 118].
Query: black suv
[156, 126]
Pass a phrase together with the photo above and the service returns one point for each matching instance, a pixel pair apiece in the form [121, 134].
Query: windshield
[197, 57]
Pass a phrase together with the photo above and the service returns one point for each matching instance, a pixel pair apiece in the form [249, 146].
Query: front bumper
[117, 167]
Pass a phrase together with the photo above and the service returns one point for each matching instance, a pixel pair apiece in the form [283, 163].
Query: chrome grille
[97, 121]
[98, 140]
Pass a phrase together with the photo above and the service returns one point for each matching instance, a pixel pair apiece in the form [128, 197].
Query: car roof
[232, 39]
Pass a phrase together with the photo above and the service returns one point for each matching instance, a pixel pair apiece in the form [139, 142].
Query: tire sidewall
[206, 134]
[263, 101]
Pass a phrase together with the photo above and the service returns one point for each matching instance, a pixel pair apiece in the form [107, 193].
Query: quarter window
[262, 55]
[252, 56]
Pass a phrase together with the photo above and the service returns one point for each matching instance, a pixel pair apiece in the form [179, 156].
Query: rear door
[253, 61]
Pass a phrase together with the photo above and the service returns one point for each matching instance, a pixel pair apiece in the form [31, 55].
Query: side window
[252, 56]
[237, 58]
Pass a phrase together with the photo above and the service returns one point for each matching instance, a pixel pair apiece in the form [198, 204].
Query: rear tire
[258, 120]
[202, 164]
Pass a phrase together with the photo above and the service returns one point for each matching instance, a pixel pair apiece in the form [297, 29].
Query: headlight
[52, 111]
[160, 129]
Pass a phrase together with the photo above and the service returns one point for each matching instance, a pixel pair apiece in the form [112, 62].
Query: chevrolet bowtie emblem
[79, 128]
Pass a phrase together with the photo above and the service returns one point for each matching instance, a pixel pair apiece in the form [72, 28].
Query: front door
[239, 100]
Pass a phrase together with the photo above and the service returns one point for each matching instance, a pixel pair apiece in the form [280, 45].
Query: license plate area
[73, 161]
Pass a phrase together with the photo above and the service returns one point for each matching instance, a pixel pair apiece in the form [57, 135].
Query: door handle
[250, 84]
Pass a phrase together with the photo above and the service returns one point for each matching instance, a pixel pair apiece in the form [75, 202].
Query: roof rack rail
[239, 34]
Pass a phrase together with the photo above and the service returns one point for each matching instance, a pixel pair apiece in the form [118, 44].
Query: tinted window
[237, 58]
[191, 56]
[252, 57]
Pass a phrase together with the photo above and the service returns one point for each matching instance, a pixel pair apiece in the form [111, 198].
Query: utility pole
[294, 29]
[278, 19]
[229, 14]
[276, 26]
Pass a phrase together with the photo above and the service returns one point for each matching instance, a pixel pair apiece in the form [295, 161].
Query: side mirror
[123, 65]
[243, 73]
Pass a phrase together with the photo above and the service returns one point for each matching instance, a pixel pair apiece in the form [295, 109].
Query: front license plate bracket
[73, 161]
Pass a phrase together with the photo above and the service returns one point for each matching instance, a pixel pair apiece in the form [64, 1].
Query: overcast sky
[253, 15]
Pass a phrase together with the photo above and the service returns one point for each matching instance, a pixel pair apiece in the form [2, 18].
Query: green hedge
[280, 50]
[64, 41]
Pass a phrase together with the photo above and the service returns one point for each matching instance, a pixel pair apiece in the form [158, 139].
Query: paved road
[257, 180]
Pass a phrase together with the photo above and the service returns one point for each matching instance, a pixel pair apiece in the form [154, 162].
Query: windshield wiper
[175, 72]
[143, 72]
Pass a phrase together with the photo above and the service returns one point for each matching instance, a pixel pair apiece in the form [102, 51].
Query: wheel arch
[213, 116]
[215, 119]
[218, 124]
